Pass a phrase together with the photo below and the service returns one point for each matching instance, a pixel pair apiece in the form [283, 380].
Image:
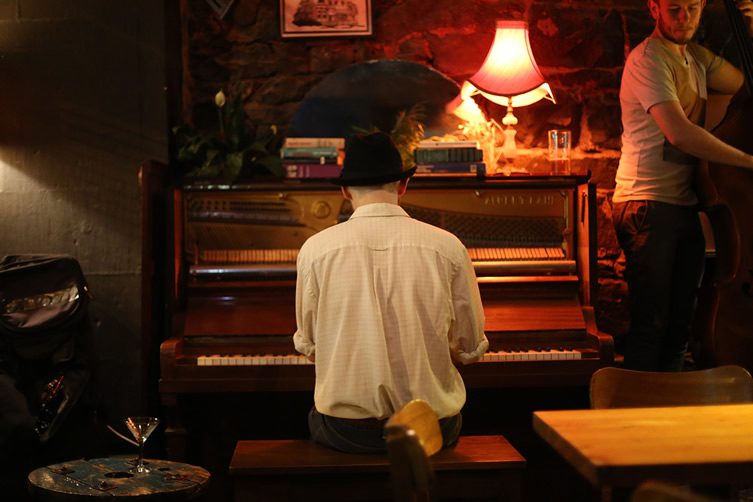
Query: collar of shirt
[379, 209]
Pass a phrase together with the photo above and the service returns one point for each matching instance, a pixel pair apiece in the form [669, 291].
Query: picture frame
[325, 18]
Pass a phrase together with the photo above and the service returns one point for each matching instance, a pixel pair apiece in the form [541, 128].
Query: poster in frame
[325, 18]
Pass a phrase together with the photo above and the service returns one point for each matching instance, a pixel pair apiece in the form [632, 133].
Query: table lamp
[510, 77]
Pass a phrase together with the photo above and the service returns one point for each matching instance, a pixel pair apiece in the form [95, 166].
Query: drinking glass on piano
[559, 150]
[141, 428]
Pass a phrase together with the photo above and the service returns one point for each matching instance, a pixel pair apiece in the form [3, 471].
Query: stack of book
[449, 158]
[312, 157]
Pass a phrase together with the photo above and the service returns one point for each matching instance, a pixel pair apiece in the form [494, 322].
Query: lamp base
[509, 148]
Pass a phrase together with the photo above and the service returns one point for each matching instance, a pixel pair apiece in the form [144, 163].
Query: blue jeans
[367, 437]
[664, 258]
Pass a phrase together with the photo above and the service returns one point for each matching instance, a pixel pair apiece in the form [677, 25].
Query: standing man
[385, 305]
[663, 98]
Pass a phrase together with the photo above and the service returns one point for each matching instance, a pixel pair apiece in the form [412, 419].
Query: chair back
[661, 491]
[412, 435]
[621, 388]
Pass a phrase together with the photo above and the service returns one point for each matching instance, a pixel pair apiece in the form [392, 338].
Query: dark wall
[81, 106]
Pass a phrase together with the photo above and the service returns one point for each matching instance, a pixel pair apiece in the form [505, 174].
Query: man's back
[386, 296]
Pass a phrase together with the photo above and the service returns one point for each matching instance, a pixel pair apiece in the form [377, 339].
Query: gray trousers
[367, 436]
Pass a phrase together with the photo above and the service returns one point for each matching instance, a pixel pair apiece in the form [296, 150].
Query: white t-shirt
[385, 302]
[650, 167]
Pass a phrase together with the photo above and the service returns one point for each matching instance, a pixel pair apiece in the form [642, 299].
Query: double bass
[727, 196]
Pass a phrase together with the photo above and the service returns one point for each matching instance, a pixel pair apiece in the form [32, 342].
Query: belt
[369, 423]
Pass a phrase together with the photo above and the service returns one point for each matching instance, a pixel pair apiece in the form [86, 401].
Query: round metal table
[109, 478]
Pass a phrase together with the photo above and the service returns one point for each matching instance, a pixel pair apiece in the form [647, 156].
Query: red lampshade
[509, 69]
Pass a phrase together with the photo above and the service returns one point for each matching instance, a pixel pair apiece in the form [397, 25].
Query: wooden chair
[660, 491]
[412, 435]
[620, 388]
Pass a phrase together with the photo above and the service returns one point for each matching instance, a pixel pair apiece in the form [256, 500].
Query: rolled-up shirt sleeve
[467, 339]
[305, 312]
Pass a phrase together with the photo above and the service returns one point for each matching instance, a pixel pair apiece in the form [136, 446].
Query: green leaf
[271, 163]
[233, 165]
[227, 150]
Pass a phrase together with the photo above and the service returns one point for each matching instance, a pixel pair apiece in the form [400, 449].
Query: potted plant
[235, 148]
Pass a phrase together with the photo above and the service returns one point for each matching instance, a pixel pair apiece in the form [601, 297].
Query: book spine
[315, 142]
[309, 160]
[449, 144]
[311, 170]
[432, 155]
[452, 169]
[286, 152]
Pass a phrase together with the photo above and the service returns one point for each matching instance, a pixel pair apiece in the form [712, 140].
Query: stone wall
[580, 47]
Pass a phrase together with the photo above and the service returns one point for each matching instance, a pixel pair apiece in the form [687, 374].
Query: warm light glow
[464, 107]
[510, 68]
[509, 77]
[528, 98]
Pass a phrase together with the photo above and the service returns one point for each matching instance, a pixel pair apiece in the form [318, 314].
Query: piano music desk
[486, 467]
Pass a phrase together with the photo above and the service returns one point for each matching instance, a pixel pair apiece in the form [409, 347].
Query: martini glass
[141, 428]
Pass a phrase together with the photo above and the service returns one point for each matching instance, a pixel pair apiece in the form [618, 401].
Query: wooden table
[625, 446]
[109, 478]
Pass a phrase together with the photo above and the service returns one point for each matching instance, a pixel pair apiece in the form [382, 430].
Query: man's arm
[695, 140]
[727, 79]
[467, 339]
[305, 309]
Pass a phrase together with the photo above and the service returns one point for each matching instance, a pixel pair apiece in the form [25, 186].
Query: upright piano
[531, 239]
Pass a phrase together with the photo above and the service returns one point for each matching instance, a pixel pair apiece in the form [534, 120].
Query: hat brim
[355, 181]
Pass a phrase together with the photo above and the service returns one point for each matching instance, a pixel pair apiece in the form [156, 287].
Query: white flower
[219, 99]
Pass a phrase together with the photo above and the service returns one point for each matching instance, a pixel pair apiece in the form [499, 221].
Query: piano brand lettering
[527, 199]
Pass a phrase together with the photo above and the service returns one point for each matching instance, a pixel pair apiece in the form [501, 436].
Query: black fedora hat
[371, 159]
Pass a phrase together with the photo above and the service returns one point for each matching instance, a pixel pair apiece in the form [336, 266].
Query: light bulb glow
[509, 68]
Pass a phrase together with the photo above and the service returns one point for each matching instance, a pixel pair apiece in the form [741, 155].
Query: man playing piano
[385, 306]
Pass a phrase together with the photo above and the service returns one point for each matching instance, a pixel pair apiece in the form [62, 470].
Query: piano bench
[487, 467]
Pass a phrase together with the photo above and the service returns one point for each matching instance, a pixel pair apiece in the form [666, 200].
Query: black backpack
[43, 329]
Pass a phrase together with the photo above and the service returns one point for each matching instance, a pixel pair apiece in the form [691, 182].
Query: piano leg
[175, 432]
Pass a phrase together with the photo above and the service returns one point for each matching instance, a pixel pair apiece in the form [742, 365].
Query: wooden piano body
[233, 283]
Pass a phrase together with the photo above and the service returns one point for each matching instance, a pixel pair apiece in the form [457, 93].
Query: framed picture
[325, 18]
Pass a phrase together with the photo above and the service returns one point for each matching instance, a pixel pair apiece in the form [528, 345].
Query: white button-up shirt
[386, 303]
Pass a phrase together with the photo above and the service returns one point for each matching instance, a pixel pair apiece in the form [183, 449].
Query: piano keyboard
[291, 359]
[251, 360]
